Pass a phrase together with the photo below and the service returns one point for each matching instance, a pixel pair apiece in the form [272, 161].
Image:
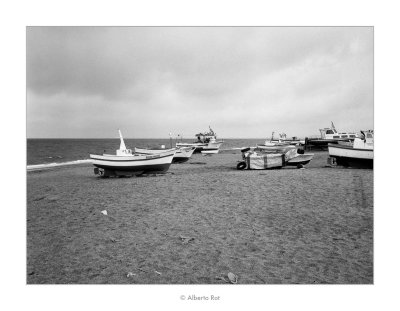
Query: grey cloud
[251, 76]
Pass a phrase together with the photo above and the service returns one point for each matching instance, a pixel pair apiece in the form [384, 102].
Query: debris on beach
[130, 274]
[159, 273]
[39, 198]
[104, 212]
[233, 278]
[52, 198]
[186, 239]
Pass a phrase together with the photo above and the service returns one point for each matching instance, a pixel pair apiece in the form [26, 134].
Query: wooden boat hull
[354, 162]
[321, 142]
[152, 151]
[301, 159]
[134, 164]
[181, 154]
[200, 146]
[289, 153]
[210, 150]
[351, 157]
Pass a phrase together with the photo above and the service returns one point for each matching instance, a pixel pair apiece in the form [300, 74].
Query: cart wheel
[241, 165]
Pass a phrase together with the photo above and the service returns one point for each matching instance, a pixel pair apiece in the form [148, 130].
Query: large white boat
[207, 141]
[126, 163]
[182, 154]
[359, 154]
[330, 135]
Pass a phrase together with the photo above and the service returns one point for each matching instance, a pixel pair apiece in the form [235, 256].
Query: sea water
[52, 152]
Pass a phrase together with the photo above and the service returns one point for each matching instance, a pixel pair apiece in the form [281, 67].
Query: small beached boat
[181, 155]
[205, 141]
[360, 154]
[126, 163]
[273, 157]
[211, 148]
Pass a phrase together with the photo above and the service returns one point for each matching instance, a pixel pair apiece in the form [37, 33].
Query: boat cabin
[331, 133]
[124, 152]
[366, 141]
[207, 137]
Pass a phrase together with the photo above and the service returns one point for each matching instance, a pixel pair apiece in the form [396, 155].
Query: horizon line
[139, 138]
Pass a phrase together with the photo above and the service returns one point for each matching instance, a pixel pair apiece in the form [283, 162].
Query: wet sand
[286, 226]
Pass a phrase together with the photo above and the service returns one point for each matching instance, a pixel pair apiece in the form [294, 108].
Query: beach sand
[286, 226]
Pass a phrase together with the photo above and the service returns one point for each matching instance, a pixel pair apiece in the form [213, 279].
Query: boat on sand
[273, 157]
[359, 155]
[281, 141]
[127, 163]
[205, 141]
[182, 154]
[330, 136]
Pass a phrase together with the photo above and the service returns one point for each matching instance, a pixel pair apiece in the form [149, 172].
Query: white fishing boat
[281, 141]
[207, 141]
[181, 155]
[126, 163]
[208, 150]
[360, 154]
[330, 136]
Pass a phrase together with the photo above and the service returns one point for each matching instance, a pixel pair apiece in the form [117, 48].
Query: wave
[51, 165]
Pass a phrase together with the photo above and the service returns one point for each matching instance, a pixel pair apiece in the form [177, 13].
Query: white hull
[200, 146]
[209, 142]
[183, 145]
[360, 155]
[181, 154]
[346, 152]
[209, 151]
[300, 159]
[152, 151]
[134, 163]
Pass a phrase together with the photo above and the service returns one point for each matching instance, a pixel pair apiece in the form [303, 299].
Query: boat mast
[122, 145]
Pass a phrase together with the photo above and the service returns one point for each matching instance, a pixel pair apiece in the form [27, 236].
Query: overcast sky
[86, 82]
